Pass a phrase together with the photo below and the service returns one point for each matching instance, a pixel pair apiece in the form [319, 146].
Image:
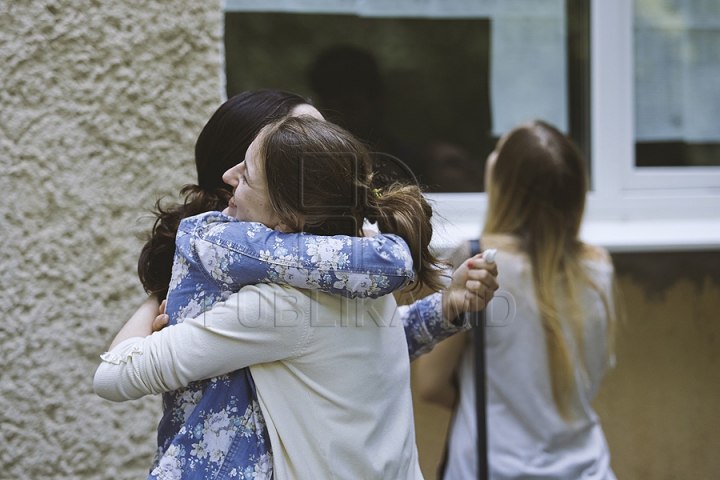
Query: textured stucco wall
[100, 105]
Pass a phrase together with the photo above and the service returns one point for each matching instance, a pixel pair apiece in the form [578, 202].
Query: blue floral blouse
[214, 429]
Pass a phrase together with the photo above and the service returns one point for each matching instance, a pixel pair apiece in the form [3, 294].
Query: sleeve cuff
[123, 351]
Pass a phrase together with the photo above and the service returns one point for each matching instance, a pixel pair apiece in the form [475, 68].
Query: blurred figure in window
[350, 92]
[451, 168]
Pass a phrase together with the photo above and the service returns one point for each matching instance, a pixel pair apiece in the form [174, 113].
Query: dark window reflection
[415, 89]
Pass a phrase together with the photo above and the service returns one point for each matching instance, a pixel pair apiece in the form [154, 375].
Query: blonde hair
[536, 192]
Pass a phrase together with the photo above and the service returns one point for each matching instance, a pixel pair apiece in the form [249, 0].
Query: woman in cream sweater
[332, 374]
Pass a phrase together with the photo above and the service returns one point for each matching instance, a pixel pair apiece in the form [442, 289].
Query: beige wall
[100, 105]
[660, 406]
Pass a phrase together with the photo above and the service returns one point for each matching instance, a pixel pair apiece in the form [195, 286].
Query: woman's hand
[473, 285]
[162, 319]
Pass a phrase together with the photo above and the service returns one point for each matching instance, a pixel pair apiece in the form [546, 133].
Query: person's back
[340, 406]
[547, 353]
[216, 255]
[527, 436]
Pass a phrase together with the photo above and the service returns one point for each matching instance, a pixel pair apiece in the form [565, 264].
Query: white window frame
[629, 208]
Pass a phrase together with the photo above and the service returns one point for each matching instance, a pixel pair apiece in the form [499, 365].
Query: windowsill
[462, 217]
[653, 235]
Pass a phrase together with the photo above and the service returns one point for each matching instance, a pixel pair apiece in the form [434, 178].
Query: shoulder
[203, 219]
[598, 264]
[458, 254]
[595, 254]
[503, 242]
[511, 257]
[216, 226]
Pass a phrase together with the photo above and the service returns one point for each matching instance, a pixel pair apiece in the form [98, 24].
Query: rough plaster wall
[100, 105]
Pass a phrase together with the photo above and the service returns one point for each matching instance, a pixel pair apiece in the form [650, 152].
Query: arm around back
[237, 253]
[259, 324]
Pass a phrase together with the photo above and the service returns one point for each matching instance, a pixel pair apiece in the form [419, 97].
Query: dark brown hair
[220, 146]
[320, 181]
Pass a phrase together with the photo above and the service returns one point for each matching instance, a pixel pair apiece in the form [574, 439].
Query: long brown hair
[220, 146]
[320, 181]
[536, 192]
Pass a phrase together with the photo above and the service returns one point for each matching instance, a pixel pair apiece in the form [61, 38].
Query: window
[432, 83]
[415, 89]
[638, 208]
[677, 83]
[589, 67]
[621, 115]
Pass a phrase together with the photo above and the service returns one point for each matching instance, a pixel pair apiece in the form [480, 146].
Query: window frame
[613, 114]
[629, 208]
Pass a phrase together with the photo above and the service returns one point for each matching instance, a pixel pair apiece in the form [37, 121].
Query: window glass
[677, 82]
[435, 93]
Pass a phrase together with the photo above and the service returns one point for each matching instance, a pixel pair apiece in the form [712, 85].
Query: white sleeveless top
[527, 438]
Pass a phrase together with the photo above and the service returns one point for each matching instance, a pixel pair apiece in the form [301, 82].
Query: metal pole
[480, 394]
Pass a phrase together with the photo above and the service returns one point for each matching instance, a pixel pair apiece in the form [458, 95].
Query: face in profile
[250, 201]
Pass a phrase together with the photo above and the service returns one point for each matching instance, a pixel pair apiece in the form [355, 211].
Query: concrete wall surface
[100, 106]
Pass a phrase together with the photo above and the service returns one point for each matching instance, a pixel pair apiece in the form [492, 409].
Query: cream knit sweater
[332, 376]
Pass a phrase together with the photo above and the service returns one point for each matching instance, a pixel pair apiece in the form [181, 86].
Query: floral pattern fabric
[425, 325]
[214, 429]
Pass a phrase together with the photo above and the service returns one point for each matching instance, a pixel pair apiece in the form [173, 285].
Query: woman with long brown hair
[215, 428]
[322, 390]
[547, 356]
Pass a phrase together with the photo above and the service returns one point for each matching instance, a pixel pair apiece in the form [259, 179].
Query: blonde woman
[549, 339]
